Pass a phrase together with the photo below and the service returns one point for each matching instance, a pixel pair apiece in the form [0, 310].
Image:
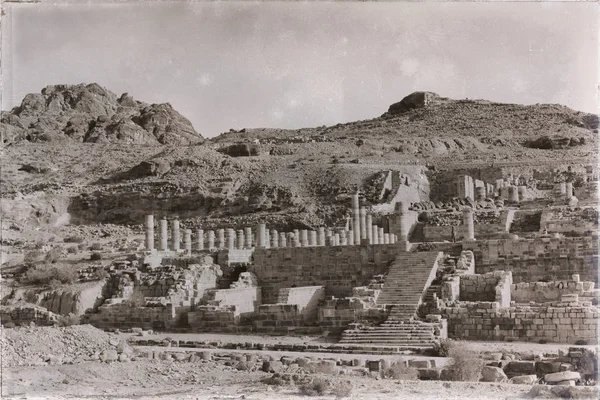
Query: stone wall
[335, 315]
[307, 299]
[541, 292]
[25, 314]
[478, 287]
[539, 259]
[579, 221]
[337, 268]
[126, 315]
[440, 233]
[213, 318]
[559, 322]
[245, 300]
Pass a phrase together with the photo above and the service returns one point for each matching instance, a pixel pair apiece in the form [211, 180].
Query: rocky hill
[290, 178]
[92, 114]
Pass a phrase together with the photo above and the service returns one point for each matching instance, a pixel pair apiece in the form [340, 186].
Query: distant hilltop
[92, 114]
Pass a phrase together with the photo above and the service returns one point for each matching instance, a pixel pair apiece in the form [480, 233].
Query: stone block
[521, 367]
[524, 379]
[419, 364]
[562, 376]
[272, 366]
[429, 374]
[109, 355]
[493, 374]
[547, 367]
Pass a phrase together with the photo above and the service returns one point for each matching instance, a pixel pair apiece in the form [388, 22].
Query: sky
[294, 64]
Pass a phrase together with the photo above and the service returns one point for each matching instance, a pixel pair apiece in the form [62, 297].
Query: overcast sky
[235, 65]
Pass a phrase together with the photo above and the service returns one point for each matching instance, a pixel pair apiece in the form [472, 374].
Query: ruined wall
[126, 315]
[539, 259]
[478, 287]
[439, 231]
[337, 268]
[213, 319]
[541, 292]
[560, 322]
[307, 299]
[25, 314]
[335, 315]
[580, 221]
[245, 300]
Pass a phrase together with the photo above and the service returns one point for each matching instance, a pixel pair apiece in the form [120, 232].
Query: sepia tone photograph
[299, 200]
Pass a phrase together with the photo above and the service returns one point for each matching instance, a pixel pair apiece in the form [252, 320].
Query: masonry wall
[539, 259]
[245, 300]
[337, 268]
[478, 287]
[125, 315]
[558, 322]
[541, 292]
[25, 314]
[307, 299]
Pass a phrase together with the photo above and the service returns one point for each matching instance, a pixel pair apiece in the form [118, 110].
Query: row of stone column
[264, 238]
[564, 190]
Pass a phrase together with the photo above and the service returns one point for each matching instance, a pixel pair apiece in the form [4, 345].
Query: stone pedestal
[513, 194]
[282, 240]
[386, 238]
[374, 234]
[304, 238]
[274, 239]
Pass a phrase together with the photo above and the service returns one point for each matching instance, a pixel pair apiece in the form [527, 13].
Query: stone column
[374, 234]
[164, 234]
[351, 238]
[274, 239]
[200, 239]
[312, 238]
[240, 240]
[248, 237]
[176, 235]
[363, 223]
[297, 242]
[267, 239]
[401, 220]
[356, 218]
[468, 222]
[282, 240]
[150, 232]
[563, 189]
[381, 236]
[522, 190]
[230, 239]
[392, 238]
[187, 241]
[343, 238]
[304, 237]
[210, 240]
[386, 238]
[336, 239]
[321, 236]
[221, 238]
[569, 190]
[513, 194]
[370, 228]
[260, 236]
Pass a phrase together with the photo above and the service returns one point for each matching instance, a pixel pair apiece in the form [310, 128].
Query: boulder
[493, 374]
[109, 355]
[524, 380]
[272, 366]
[562, 376]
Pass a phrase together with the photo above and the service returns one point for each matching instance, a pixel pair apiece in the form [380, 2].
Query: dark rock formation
[92, 114]
[554, 142]
[412, 101]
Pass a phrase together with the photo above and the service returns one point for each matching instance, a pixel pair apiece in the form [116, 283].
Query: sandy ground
[156, 380]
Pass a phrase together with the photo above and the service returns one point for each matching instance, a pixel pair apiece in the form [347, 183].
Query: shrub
[53, 255]
[68, 320]
[81, 246]
[33, 256]
[72, 250]
[95, 256]
[400, 371]
[100, 274]
[341, 390]
[73, 239]
[53, 275]
[316, 387]
[96, 246]
[466, 364]
[442, 348]
[243, 366]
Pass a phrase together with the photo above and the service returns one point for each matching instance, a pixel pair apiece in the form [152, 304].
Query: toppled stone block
[521, 367]
[547, 367]
[524, 380]
[493, 374]
[109, 355]
[272, 366]
[562, 376]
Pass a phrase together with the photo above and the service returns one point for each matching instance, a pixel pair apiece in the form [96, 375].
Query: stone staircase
[405, 287]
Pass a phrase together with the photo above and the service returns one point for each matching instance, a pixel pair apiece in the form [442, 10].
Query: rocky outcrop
[411, 102]
[555, 142]
[92, 114]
